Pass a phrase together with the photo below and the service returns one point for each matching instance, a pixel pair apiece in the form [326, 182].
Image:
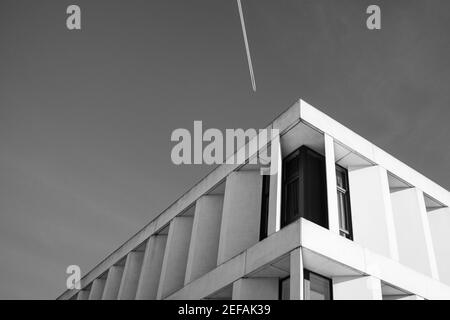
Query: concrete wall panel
[415, 246]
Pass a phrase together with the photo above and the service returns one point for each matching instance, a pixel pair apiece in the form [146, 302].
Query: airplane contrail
[247, 49]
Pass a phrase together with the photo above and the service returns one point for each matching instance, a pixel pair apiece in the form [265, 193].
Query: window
[317, 287]
[264, 207]
[284, 292]
[345, 219]
[304, 188]
[291, 185]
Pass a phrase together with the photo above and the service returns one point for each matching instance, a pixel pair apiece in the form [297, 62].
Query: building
[342, 219]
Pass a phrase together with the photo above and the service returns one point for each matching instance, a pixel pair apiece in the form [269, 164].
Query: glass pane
[341, 180]
[266, 185]
[292, 201]
[292, 168]
[345, 223]
[341, 208]
[285, 289]
[319, 287]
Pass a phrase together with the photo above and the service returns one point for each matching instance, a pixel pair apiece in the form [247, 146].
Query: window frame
[280, 287]
[345, 192]
[306, 277]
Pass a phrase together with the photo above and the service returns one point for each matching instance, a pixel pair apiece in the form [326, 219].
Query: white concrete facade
[207, 244]
[255, 289]
[439, 220]
[413, 231]
[357, 288]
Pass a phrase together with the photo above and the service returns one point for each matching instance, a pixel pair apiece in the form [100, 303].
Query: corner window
[304, 188]
[343, 196]
[292, 181]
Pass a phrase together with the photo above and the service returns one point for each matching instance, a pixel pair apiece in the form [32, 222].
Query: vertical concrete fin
[372, 217]
[97, 288]
[175, 256]
[131, 275]
[241, 215]
[151, 267]
[112, 284]
[204, 244]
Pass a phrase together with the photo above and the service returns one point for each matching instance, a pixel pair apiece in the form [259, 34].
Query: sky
[86, 116]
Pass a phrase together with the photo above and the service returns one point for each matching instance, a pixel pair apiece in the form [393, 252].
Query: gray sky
[86, 116]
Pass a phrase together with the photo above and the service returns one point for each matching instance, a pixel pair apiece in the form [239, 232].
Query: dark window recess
[345, 216]
[304, 188]
[264, 207]
[317, 287]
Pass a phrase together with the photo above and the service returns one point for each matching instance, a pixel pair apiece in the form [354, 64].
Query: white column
[241, 214]
[83, 295]
[330, 165]
[439, 220]
[255, 289]
[357, 288]
[131, 273]
[151, 268]
[275, 193]
[112, 284]
[97, 289]
[175, 256]
[372, 218]
[204, 242]
[415, 245]
[296, 275]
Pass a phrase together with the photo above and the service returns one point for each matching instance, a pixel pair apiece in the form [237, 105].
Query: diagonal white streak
[247, 49]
